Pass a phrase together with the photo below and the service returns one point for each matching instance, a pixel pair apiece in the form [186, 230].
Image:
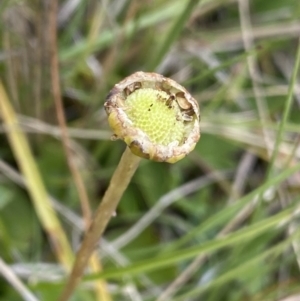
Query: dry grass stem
[100, 285]
[24, 157]
[15, 282]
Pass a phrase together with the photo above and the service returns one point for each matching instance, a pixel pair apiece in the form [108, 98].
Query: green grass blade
[107, 37]
[35, 184]
[224, 215]
[210, 246]
[240, 269]
[287, 109]
[172, 35]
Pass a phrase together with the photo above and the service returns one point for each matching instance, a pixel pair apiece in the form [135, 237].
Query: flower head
[156, 117]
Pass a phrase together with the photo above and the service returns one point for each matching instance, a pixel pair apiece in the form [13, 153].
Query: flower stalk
[119, 182]
[159, 120]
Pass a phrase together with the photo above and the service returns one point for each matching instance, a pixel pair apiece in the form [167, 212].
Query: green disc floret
[149, 111]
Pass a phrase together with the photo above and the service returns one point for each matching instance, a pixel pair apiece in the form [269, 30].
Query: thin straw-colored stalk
[15, 282]
[35, 184]
[248, 41]
[119, 182]
[95, 264]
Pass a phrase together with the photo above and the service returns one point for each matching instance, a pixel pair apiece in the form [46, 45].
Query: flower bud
[156, 117]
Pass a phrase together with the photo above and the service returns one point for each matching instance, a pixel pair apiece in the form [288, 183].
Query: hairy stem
[119, 182]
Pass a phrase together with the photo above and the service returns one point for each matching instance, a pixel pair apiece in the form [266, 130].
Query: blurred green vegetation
[225, 218]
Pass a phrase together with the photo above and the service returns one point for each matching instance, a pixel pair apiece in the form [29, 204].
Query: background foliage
[223, 222]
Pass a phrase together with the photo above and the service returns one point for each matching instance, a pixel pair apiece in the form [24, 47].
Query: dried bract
[156, 117]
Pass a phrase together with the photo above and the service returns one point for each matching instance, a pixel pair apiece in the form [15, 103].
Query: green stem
[287, 109]
[119, 182]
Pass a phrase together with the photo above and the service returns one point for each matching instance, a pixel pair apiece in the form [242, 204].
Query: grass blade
[36, 187]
